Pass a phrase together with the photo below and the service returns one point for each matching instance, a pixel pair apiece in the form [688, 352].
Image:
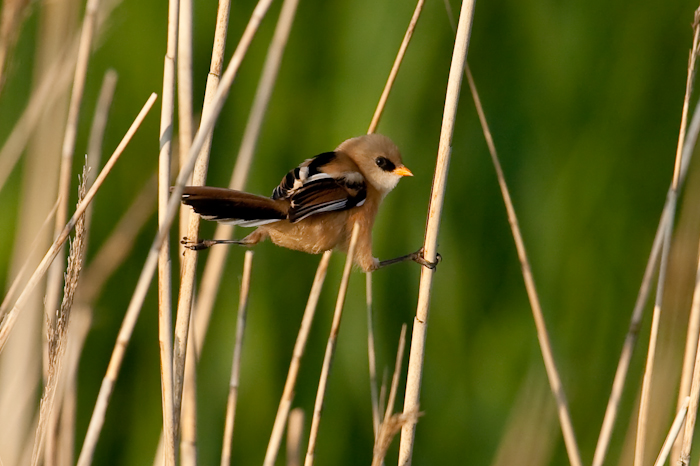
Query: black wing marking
[326, 195]
[309, 170]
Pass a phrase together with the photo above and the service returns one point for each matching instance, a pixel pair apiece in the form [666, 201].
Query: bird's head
[379, 160]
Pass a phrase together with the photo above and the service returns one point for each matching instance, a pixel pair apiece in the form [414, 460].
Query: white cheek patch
[353, 177]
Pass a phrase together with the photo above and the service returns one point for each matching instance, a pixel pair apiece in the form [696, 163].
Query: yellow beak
[403, 171]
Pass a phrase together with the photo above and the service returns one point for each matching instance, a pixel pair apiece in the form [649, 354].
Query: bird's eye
[381, 162]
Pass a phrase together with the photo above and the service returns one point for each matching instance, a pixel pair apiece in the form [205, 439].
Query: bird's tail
[233, 207]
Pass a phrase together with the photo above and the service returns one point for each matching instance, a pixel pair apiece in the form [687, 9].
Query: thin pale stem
[34, 248]
[132, 312]
[637, 314]
[11, 317]
[395, 68]
[684, 457]
[694, 317]
[189, 258]
[543, 336]
[379, 110]
[295, 434]
[376, 416]
[388, 428]
[184, 99]
[216, 260]
[299, 348]
[54, 279]
[667, 237]
[420, 325]
[672, 433]
[236, 365]
[330, 349]
[53, 85]
[167, 119]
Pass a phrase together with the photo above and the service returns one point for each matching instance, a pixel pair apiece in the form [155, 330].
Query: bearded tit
[316, 205]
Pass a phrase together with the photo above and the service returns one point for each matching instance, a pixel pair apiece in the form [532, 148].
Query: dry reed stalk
[184, 99]
[216, 259]
[372, 357]
[188, 261]
[395, 68]
[10, 318]
[295, 435]
[555, 383]
[330, 349]
[236, 365]
[54, 279]
[165, 339]
[149, 267]
[58, 328]
[299, 347]
[668, 233]
[118, 245]
[637, 313]
[93, 161]
[379, 110]
[54, 83]
[420, 325]
[672, 433]
[188, 424]
[684, 456]
[390, 424]
[694, 317]
[34, 248]
[13, 14]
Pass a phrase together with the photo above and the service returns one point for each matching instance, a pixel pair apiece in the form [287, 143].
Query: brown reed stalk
[52, 85]
[395, 68]
[379, 110]
[184, 99]
[11, 317]
[684, 456]
[236, 365]
[34, 248]
[673, 433]
[165, 138]
[656, 316]
[330, 349]
[372, 357]
[188, 423]
[188, 261]
[299, 348]
[54, 279]
[13, 14]
[555, 383]
[58, 328]
[216, 259]
[637, 313]
[149, 267]
[93, 161]
[390, 425]
[420, 325]
[295, 435]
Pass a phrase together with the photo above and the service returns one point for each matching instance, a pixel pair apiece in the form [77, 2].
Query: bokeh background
[584, 101]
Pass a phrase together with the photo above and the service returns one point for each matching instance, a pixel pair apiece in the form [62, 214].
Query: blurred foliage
[584, 100]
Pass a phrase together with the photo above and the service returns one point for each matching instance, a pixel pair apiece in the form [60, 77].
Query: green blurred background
[584, 101]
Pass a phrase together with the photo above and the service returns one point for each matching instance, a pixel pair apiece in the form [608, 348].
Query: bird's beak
[403, 171]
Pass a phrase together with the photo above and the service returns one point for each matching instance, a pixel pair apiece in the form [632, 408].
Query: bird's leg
[414, 256]
[207, 243]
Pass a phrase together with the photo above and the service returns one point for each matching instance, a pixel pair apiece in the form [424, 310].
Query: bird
[316, 204]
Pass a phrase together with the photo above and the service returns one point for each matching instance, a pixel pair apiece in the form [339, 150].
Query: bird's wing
[329, 182]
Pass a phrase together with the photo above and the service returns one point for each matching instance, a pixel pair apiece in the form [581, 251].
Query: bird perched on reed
[316, 205]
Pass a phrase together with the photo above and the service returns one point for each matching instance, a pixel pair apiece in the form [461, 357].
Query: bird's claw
[194, 245]
[419, 257]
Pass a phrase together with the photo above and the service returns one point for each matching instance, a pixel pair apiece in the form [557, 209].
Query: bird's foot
[419, 257]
